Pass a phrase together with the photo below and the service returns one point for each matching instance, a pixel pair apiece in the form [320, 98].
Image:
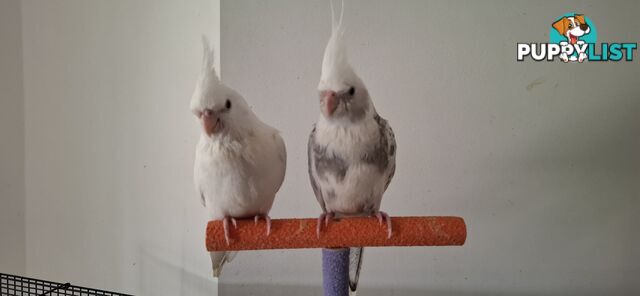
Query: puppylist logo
[573, 39]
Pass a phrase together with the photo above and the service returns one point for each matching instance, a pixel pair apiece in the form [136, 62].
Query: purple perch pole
[335, 272]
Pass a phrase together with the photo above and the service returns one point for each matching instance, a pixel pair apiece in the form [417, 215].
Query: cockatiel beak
[330, 102]
[210, 122]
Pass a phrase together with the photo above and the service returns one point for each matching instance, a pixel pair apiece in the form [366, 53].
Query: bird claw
[383, 216]
[235, 223]
[266, 218]
[319, 224]
[326, 217]
[225, 227]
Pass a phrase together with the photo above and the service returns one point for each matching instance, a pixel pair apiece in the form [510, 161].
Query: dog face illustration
[572, 27]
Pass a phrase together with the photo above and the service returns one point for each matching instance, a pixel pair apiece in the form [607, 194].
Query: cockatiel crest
[208, 81]
[221, 109]
[336, 70]
[209, 90]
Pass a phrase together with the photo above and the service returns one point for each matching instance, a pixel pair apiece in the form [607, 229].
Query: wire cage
[13, 285]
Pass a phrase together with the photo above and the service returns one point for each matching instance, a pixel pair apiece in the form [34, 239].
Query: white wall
[545, 176]
[12, 229]
[110, 141]
[541, 159]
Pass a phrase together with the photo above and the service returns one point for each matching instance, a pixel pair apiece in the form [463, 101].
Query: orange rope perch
[345, 232]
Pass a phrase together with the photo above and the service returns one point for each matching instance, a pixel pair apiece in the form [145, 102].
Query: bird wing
[282, 156]
[313, 177]
[390, 138]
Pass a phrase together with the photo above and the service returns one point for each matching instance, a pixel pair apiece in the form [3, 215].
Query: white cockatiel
[351, 148]
[240, 161]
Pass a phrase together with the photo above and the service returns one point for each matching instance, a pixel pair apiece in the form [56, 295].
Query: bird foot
[266, 218]
[225, 226]
[326, 217]
[383, 216]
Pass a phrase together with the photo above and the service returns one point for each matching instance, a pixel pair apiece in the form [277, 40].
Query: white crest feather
[208, 80]
[335, 65]
[335, 26]
[208, 59]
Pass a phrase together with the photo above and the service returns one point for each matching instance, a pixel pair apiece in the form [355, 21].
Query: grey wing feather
[311, 163]
[391, 139]
[391, 174]
[388, 137]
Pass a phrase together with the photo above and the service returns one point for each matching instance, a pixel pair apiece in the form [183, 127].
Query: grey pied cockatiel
[351, 148]
[240, 161]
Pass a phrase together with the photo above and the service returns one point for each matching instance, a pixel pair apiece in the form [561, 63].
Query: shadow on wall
[196, 284]
[159, 276]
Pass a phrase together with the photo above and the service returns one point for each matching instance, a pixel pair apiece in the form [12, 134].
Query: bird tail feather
[355, 263]
[218, 259]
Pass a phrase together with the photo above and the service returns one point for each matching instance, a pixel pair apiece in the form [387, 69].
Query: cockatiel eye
[352, 91]
[227, 104]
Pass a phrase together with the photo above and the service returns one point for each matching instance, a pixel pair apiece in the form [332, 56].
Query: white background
[541, 159]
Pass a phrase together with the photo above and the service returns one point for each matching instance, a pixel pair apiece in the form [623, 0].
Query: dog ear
[580, 18]
[561, 25]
